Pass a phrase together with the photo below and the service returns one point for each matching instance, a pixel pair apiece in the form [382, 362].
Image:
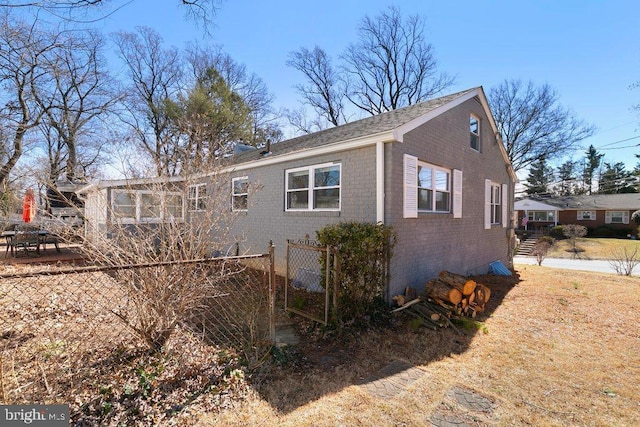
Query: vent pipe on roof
[267, 148]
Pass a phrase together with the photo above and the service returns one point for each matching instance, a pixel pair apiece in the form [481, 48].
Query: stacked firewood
[446, 297]
[466, 295]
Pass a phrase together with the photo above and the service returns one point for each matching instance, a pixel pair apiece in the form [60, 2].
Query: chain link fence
[65, 333]
[311, 280]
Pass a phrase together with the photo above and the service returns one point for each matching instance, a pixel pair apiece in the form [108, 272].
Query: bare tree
[155, 75]
[392, 65]
[85, 11]
[324, 90]
[533, 124]
[79, 96]
[22, 51]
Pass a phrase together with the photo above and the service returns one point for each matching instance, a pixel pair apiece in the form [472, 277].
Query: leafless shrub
[625, 260]
[573, 231]
[540, 250]
[152, 245]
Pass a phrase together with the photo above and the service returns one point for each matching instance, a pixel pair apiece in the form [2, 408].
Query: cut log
[471, 298]
[440, 290]
[482, 294]
[399, 299]
[461, 283]
[428, 311]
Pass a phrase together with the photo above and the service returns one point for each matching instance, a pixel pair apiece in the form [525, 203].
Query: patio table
[13, 243]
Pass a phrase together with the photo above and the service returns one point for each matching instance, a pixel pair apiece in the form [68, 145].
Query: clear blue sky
[589, 51]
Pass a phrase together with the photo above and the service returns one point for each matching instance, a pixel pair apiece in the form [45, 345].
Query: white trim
[580, 215]
[434, 188]
[476, 134]
[311, 187]
[138, 204]
[380, 182]
[234, 195]
[608, 215]
[410, 187]
[399, 132]
[457, 193]
[504, 199]
[197, 198]
[333, 148]
[487, 204]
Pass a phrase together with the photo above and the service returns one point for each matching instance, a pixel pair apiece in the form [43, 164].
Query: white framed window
[541, 216]
[616, 217]
[133, 206]
[239, 193]
[474, 132]
[150, 206]
[197, 197]
[313, 188]
[496, 204]
[428, 188]
[124, 205]
[586, 215]
[496, 209]
[173, 206]
[434, 188]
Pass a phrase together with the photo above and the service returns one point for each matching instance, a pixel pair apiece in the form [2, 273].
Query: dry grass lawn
[593, 248]
[558, 348]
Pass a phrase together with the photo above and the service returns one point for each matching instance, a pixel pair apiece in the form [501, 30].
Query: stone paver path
[461, 407]
[392, 379]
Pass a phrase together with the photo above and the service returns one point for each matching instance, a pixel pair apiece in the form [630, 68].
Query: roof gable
[390, 126]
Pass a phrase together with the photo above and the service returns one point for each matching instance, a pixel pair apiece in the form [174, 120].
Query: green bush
[546, 239]
[601, 231]
[556, 232]
[365, 250]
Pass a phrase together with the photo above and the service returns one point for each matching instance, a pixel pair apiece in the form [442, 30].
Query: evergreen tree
[566, 176]
[616, 179]
[592, 164]
[540, 175]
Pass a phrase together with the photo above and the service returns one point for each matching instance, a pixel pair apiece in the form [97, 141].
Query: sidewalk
[599, 265]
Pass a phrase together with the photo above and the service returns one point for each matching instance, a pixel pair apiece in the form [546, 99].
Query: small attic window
[474, 131]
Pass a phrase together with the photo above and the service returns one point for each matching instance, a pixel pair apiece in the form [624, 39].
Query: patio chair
[26, 241]
[51, 239]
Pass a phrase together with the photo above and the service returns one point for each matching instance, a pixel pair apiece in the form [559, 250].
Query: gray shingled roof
[629, 201]
[361, 128]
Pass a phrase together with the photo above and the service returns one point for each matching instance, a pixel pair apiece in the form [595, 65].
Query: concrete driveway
[599, 265]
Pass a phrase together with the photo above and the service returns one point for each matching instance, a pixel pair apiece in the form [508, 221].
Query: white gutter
[380, 182]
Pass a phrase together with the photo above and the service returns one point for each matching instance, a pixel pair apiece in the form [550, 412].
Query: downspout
[380, 206]
[380, 182]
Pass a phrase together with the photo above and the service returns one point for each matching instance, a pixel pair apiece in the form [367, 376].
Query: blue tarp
[499, 268]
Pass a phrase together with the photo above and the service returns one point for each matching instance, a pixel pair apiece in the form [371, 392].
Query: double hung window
[313, 188]
[434, 188]
[474, 131]
[428, 188]
[240, 193]
[496, 200]
[586, 215]
[616, 217]
[197, 197]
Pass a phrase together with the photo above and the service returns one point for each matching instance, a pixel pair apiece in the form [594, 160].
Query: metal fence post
[272, 293]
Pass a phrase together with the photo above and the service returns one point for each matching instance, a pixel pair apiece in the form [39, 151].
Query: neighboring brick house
[435, 171]
[602, 214]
